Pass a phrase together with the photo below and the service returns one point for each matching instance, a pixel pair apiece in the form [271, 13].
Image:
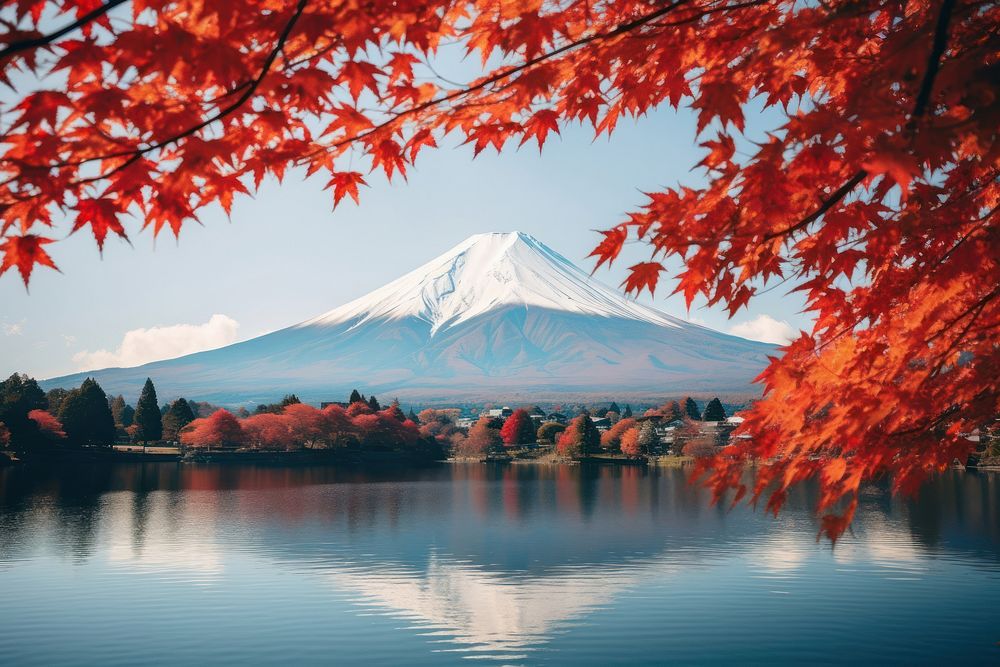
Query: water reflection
[498, 562]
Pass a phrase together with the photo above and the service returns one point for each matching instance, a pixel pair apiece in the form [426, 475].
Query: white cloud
[70, 340]
[15, 329]
[140, 346]
[766, 329]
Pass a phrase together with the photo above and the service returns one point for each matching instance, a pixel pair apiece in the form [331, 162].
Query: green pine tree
[128, 416]
[614, 408]
[117, 405]
[628, 411]
[396, 411]
[355, 397]
[178, 416]
[86, 416]
[412, 416]
[147, 415]
[19, 395]
[691, 409]
[714, 412]
[55, 397]
[373, 403]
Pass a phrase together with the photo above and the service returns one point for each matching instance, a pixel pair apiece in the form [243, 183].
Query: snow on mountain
[498, 317]
[486, 272]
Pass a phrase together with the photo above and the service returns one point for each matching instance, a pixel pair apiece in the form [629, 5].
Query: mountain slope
[498, 316]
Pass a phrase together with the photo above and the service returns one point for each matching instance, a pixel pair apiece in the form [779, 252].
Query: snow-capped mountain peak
[486, 272]
[498, 317]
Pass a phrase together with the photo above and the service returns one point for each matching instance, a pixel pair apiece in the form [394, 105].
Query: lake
[501, 564]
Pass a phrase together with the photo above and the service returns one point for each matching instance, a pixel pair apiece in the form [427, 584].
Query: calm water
[514, 565]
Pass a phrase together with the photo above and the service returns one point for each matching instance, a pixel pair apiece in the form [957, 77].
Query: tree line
[87, 417]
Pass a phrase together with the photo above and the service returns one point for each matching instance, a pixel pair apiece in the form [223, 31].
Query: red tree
[267, 431]
[611, 439]
[581, 438]
[307, 425]
[358, 408]
[519, 429]
[50, 427]
[482, 439]
[381, 431]
[338, 426]
[630, 442]
[220, 429]
[875, 194]
[395, 411]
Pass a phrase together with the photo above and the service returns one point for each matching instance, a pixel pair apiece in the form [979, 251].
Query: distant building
[602, 423]
[465, 422]
[502, 413]
[557, 417]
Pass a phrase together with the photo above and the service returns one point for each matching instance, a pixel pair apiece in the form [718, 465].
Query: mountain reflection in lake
[514, 564]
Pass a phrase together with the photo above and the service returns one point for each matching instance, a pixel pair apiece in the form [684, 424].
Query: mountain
[498, 317]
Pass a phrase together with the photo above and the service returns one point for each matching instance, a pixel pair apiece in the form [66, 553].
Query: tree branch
[923, 99]
[35, 42]
[135, 155]
[825, 206]
[934, 59]
[621, 29]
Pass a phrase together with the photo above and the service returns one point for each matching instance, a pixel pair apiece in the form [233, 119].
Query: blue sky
[285, 256]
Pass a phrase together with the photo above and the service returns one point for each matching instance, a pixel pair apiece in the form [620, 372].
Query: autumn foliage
[580, 439]
[612, 438]
[482, 439]
[220, 429]
[50, 427]
[518, 429]
[300, 426]
[874, 194]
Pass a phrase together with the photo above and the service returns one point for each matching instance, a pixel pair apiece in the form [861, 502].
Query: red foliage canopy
[518, 429]
[612, 438]
[219, 429]
[876, 195]
[267, 431]
[47, 424]
[630, 442]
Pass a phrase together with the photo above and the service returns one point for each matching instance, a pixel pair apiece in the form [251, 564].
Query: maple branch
[923, 98]
[824, 206]
[940, 418]
[957, 340]
[977, 306]
[619, 30]
[934, 59]
[137, 154]
[707, 12]
[35, 42]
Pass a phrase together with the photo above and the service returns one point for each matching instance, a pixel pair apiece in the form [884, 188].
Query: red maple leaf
[24, 252]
